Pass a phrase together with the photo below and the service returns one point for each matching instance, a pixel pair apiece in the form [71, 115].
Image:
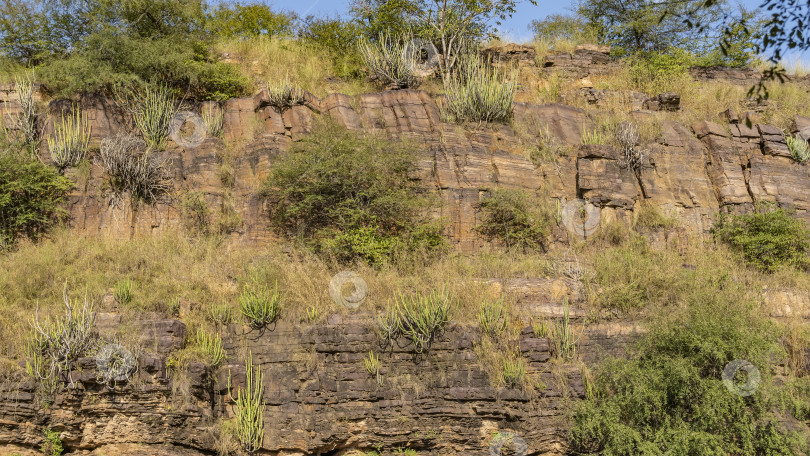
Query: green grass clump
[492, 317]
[799, 148]
[68, 145]
[478, 93]
[513, 370]
[418, 318]
[260, 305]
[31, 195]
[123, 291]
[284, 95]
[769, 238]
[564, 340]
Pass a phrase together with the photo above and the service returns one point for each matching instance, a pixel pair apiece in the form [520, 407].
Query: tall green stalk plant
[68, 144]
[250, 408]
[152, 112]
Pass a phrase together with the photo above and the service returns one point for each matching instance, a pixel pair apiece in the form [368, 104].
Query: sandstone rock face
[319, 397]
[739, 76]
[585, 60]
[727, 167]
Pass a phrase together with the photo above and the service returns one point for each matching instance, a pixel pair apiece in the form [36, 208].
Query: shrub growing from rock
[769, 238]
[513, 219]
[352, 197]
[30, 197]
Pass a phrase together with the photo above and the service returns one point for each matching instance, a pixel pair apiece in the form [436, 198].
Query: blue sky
[515, 29]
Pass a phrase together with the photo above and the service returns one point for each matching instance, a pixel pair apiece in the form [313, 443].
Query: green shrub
[337, 36]
[669, 398]
[351, 197]
[249, 20]
[195, 213]
[477, 92]
[260, 306]
[657, 72]
[52, 444]
[30, 197]
[512, 218]
[768, 238]
[418, 317]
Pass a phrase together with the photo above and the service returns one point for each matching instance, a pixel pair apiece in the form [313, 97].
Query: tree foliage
[351, 197]
[30, 198]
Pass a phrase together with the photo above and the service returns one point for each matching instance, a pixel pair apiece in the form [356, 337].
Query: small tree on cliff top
[451, 24]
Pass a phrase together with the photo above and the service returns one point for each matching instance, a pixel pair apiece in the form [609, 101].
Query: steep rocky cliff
[319, 401]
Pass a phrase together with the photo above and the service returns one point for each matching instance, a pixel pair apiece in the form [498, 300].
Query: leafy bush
[512, 218]
[769, 238]
[30, 197]
[98, 46]
[558, 27]
[248, 20]
[478, 93]
[351, 197]
[131, 169]
[260, 306]
[337, 36]
[668, 398]
[656, 72]
[52, 444]
[68, 145]
[419, 318]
